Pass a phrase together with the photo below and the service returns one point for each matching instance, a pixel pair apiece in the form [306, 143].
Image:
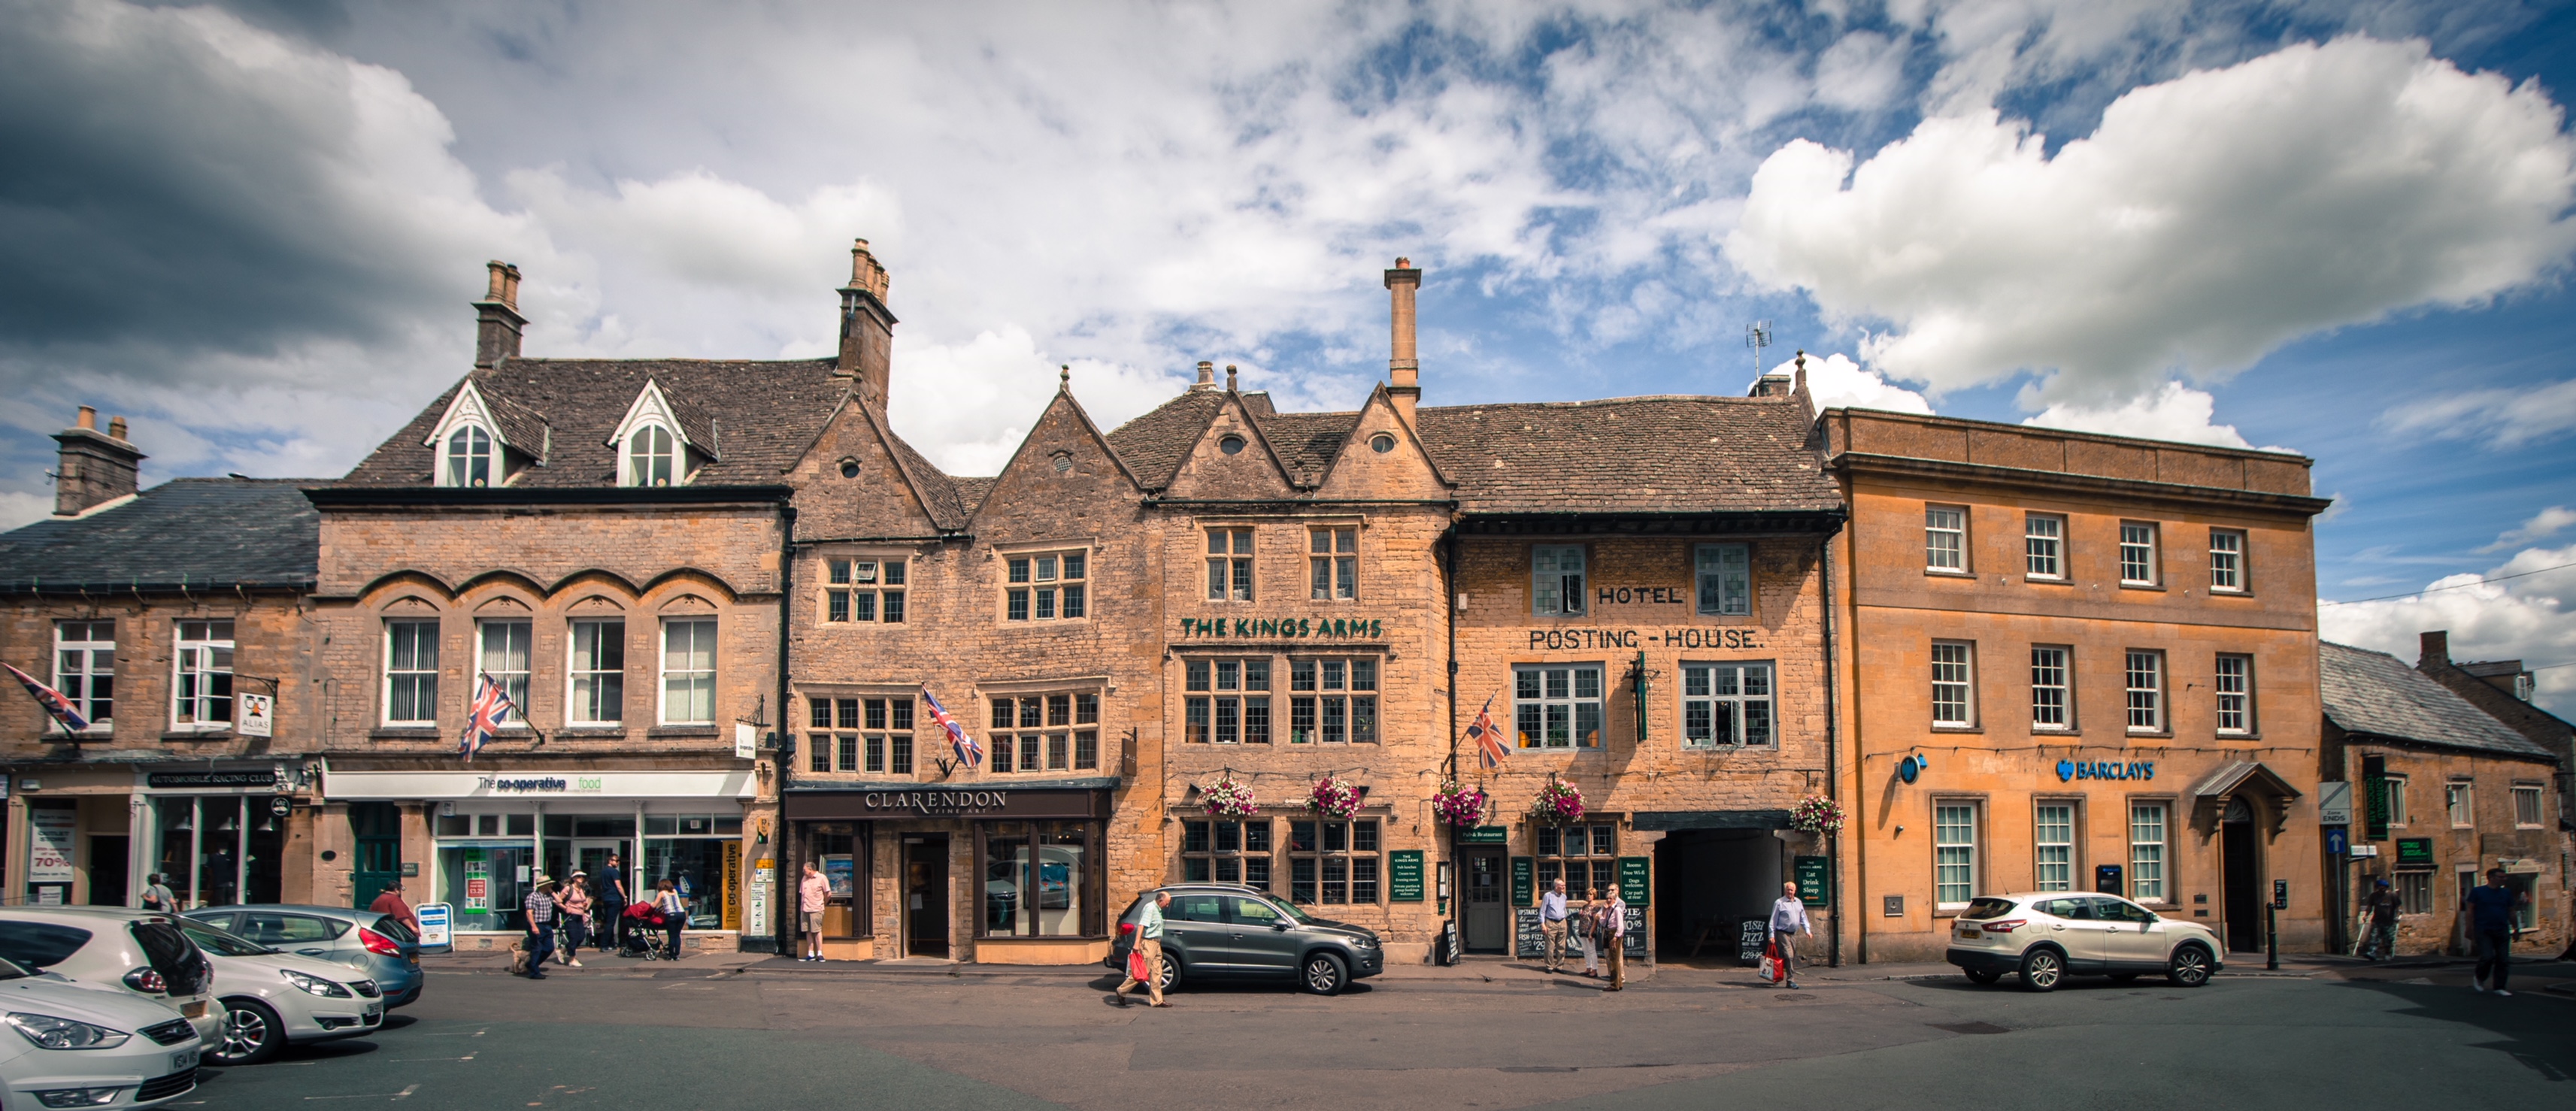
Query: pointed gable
[692, 425]
[1064, 464]
[1154, 445]
[1359, 470]
[1251, 470]
[857, 478]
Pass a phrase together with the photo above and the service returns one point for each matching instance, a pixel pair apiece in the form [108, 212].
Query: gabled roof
[212, 533]
[1157, 443]
[1667, 454]
[2375, 694]
[1308, 442]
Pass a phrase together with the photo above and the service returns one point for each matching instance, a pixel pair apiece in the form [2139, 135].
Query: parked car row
[118, 1008]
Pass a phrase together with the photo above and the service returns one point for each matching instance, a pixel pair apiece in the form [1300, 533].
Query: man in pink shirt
[813, 893]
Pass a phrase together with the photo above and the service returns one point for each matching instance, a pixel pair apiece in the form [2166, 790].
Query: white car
[83, 1045]
[143, 952]
[2046, 936]
[273, 999]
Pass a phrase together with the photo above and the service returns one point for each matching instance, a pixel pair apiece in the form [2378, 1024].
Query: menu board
[1404, 876]
[1527, 941]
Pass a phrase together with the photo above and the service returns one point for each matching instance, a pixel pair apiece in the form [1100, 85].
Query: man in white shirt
[1551, 922]
[1615, 925]
[1788, 919]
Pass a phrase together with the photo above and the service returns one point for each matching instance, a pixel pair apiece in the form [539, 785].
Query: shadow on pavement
[2539, 1033]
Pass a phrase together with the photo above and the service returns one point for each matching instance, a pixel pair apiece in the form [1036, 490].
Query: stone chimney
[2435, 650]
[95, 467]
[867, 329]
[1207, 377]
[1229, 377]
[497, 322]
[1403, 368]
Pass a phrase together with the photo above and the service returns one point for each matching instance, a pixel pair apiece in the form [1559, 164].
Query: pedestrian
[611, 899]
[1587, 933]
[1614, 937]
[574, 902]
[541, 926]
[1551, 922]
[2489, 909]
[158, 896]
[2380, 909]
[1788, 920]
[1149, 941]
[675, 913]
[813, 893]
[390, 902]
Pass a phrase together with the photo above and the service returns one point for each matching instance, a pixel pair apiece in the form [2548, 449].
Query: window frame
[2539, 806]
[213, 656]
[1231, 564]
[2064, 667]
[2162, 844]
[1968, 858]
[82, 686]
[1321, 855]
[2229, 564]
[427, 683]
[2397, 815]
[1966, 682]
[2055, 542]
[1573, 701]
[578, 702]
[2152, 545]
[1332, 570]
[1742, 703]
[2460, 803]
[881, 597]
[1214, 862]
[1052, 732]
[651, 456]
[2414, 891]
[665, 673]
[1337, 698]
[1731, 597]
[467, 447]
[514, 681]
[1956, 532]
[2156, 702]
[1052, 584]
[1570, 592]
[1553, 864]
[2243, 697]
[2042, 849]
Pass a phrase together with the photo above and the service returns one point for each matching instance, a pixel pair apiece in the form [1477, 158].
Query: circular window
[1382, 443]
[1231, 445]
[849, 468]
[1063, 462]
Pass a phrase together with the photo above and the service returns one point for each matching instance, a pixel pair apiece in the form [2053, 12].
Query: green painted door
[377, 830]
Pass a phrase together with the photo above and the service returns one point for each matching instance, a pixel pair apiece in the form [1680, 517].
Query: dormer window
[650, 456]
[469, 458]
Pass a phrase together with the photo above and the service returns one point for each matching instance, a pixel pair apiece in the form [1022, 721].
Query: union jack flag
[969, 752]
[1490, 752]
[56, 706]
[482, 719]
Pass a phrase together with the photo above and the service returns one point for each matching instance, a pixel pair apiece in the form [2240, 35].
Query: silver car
[84, 1045]
[376, 946]
[142, 952]
[273, 999]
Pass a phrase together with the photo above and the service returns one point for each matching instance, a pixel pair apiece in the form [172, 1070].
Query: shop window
[2137, 553]
[870, 590]
[1229, 565]
[840, 851]
[1226, 852]
[689, 671]
[1047, 586]
[2145, 679]
[1954, 853]
[2415, 892]
[482, 882]
[2233, 690]
[203, 658]
[1556, 580]
[85, 669]
[1334, 563]
[2526, 805]
[701, 855]
[1045, 732]
[1953, 684]
[2053, 847]
[2147, 852]
[218, 850]
[2051, 696]
[1333, 862]
[598, 672]
[2044, 546]
[1332, 701]
[1726, 704]
[1945, 539]
[1041, 879]
[505, 658]
[2226, 561]
[1557, 705]
[1725, 574]
[2456, 798]
[1584, 856]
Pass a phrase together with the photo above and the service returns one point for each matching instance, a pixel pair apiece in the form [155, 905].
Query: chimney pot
[1207, 377]
[116, 428]
[867, 328]
[88, 418]
[1403, 368]
[1229, 377]
[497, 323]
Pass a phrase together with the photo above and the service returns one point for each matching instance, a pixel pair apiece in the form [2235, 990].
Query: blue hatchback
[377, 945]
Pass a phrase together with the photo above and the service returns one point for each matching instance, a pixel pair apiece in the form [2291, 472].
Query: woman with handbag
[574, 902]
[675, 913]
[1589, 932]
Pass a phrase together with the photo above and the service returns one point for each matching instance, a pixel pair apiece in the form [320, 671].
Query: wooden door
[1486, 924]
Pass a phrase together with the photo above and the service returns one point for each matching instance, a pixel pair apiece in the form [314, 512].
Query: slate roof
[196, 532]
[972, 491]
[1664, 454]
[1156, 444]
[2375, 693]
[1309, 442]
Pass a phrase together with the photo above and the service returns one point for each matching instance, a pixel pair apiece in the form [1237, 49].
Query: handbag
[1771, 961]
[1136, 969]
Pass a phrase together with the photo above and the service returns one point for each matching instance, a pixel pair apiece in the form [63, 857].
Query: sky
[2340, 228]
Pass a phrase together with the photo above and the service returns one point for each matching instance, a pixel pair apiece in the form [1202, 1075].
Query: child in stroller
[643, 933]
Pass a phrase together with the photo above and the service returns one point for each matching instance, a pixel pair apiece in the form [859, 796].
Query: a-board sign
[437, 921]
[1404, 876]
[1527, 940]
[1750, 940]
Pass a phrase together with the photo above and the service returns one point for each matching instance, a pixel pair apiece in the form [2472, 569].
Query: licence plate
[1970, 935]
[195, 1009]
[183, 1061]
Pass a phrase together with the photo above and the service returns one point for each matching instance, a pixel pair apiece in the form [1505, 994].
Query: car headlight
[1363, 943]
[78, 1097]
[314, 984]
[49, 1032]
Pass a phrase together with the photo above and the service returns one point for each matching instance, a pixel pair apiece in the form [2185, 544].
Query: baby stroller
[643, 935]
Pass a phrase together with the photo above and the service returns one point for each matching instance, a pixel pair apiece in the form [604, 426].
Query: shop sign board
[258, 777]
[254, 715]
[437, 920]
[942, 802]
[1810, 874]
[1404, 876]
[1485, 835]
[1636, 880]
[2414, 852]
[49, 854]
[1524, 881]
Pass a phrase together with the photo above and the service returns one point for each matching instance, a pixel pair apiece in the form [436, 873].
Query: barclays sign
[2069, 771]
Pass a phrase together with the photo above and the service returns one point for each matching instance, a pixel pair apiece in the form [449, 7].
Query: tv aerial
[1757, 336]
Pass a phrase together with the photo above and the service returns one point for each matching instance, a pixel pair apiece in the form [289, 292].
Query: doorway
[1485, 924]
[925, 896]
[2242, 890]
[108, 870]
[376, 831]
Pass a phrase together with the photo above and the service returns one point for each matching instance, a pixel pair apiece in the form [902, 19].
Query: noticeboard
[1524, 883]
[1404, 876]
[1810, 874]
[2414, 852]
[436, 920]
[1636, 880]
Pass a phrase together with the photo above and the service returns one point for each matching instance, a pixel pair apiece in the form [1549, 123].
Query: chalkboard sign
[1404, 876]
[1636, 939]
[1634, 880]
[1751, 939]
[1524, 872]
[1527, 940]
[1810, 871]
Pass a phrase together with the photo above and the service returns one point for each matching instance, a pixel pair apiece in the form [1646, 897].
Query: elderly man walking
[1614, 935]
[1788, 919]
[1149, 941]
[1551, 922]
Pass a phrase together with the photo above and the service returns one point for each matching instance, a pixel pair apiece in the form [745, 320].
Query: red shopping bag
[1136, 969]
[1771, 969]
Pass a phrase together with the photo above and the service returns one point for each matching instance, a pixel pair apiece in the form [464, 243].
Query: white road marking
[404, 1060]
[386, 1096]
[454, 1034]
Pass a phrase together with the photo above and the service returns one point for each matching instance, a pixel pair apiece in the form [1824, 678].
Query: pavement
[751, 1031]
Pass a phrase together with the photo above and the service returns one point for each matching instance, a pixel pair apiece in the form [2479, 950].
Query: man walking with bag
[1551, 922]
[1788, 919]
[1149, 944]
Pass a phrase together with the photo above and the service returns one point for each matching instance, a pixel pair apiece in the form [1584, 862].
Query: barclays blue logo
[2069, 771]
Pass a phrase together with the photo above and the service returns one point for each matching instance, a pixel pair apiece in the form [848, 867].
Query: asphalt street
[791, 1036]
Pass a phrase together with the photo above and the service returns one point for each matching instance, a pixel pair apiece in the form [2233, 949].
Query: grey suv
[1226, 932]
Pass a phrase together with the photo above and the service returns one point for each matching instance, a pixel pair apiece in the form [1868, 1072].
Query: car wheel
[1983, 976]
[1171, 970]
[2041, 969]
[251, 1034]
[2189, 968]
[1324, 974]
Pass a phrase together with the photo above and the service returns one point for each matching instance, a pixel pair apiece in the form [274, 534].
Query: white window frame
[2538, 810]
[2460, 803]
[1230, 564]
[2138, 537]
[1559, 578]
[1954, 668]
[1535, 688]
[652, 456]
[2052, 688]
[78, 670]
[585, 681]
[197, 663]
[701, 627]
[1945, 539]
[2149, 828]
[2227, 561]
[1954, 852]
[2147, 712]
[496, 660]
[2052, 841]
[1740, 693]
[423, 680]
[1723, 574]
[2396, 799]
[2414, 892]
[2044, 548]
[2232, 693]
[468, 448]
[1333, 563]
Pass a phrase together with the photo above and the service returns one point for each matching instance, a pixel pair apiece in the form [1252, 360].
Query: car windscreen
[1985, 908]
[220, 943]
[40, 944]
[172, 955]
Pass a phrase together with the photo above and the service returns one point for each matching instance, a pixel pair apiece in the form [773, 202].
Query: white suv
[82, 1045]
[2046, 936]
[132, 950]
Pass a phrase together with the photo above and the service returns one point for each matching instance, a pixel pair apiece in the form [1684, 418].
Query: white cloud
[2526, 618]
[2504, 418]
[1836, 380]
[2177, 412]
[2207, 221]
[2546, 523]
[18, 507]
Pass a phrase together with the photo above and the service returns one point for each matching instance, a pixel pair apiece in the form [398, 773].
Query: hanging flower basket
[1558, 803]
[1462, 806]
[1334, 798]
[1226, 798]
[1816, 814]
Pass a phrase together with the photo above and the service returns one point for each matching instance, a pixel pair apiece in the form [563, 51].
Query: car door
[1194, 929]
[304, 935]
[2073, 927]
[1262, 941]
[2138, 937]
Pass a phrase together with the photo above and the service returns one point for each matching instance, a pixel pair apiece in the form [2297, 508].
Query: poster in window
[841, 872]
[49, 853]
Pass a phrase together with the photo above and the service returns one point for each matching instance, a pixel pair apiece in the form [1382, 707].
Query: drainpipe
[1449, 606]
[786, 638]
[1833, 763]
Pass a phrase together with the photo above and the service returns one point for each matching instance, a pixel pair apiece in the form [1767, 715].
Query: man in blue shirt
[2490, 909]
[1551, 922]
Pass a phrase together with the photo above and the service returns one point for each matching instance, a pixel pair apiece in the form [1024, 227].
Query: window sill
[2057, 732]
[2214, 592]
[2126, 585]
[1946, 573]
[1713, 750]
[2253, 736]
[590, 733]
[683, 731]
[2048, 580]
[404, 733]
[224, 734]
[1958, 729]
[2152, 733]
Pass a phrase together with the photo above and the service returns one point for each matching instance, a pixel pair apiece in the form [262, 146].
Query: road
[793, 1036]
